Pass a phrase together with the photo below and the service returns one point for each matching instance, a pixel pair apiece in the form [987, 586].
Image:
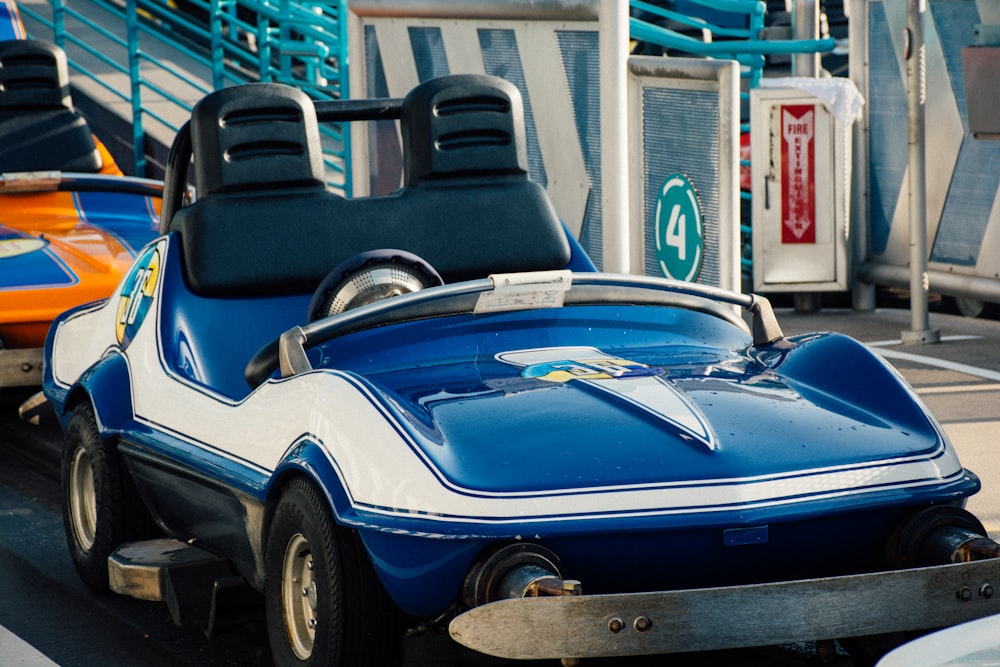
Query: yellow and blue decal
[15, 246]
[629, 382]
[606, 368]
[27, 263]
[137, 293]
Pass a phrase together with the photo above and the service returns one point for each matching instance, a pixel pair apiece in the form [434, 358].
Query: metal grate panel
[681, 135]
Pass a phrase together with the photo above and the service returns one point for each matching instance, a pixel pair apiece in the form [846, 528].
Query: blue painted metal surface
[10, 22]
[488, 433]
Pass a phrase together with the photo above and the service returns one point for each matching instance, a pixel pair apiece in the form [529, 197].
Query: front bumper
[588, 626]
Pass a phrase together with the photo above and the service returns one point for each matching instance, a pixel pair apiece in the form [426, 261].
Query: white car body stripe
[384, 469]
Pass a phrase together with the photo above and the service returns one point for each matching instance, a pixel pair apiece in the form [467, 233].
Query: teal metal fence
[304, 43]
[158, 57]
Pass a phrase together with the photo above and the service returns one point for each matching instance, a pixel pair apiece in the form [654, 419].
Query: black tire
[324, 602]
[96, 498]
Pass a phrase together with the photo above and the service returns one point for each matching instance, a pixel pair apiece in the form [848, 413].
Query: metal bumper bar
[21, 367]
[730, 617]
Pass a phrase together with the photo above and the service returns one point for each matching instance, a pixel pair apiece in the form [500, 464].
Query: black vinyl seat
[265, 223]
[261, 186]
[39, 128]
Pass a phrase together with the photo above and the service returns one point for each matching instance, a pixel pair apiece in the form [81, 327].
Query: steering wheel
[368, 277]
[361, 280]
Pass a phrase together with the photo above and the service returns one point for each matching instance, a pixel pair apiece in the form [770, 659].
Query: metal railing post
[915, 56]
[805, 25]
[215, 32]
[59, 24]
[264, 71]
[284, 37]
[345, 91]
[135, 86]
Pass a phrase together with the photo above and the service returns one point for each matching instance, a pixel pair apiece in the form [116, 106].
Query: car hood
[53, 236]
[570, 417]
[61, 249]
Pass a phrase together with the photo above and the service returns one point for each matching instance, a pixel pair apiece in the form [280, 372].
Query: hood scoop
[641, 387]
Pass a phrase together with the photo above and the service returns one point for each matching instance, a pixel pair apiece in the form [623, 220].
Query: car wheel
[324, 602]
[969, 307]
[94, 504]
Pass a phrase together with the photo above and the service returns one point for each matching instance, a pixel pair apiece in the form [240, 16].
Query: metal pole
[215, 9]
[135, 86]
[613, 36]
[914, 53]
[59, 24]
[805, 25]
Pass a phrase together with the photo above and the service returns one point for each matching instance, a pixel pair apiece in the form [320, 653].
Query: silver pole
[613, 36]
[915, 55]
[805, 25]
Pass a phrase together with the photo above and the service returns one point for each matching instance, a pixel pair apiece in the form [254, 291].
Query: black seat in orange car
[39, 128]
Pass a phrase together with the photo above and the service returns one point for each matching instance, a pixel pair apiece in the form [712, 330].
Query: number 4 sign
[679, 235]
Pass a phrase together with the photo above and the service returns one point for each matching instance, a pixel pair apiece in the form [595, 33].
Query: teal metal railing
[304, 43]
[221, 42]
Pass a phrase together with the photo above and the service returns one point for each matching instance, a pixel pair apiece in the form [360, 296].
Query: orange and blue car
[70, 221]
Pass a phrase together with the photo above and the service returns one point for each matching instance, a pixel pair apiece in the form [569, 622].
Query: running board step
[171, 571]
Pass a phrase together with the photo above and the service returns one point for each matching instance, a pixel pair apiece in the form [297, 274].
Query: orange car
[70, 222]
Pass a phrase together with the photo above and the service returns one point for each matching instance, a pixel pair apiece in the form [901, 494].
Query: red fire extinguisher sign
[798, 173]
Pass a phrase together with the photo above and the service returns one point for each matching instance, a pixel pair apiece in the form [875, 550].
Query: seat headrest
[33, 76]
[254, 137]
[463, 125]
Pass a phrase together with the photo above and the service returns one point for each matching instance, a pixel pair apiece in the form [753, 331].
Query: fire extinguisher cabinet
[800, 139]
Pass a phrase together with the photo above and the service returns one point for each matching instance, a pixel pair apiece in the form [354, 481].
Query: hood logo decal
[14, 247]
[641, 386]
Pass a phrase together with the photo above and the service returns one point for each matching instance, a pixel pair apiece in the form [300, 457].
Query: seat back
[264, 222]
[463, 127]
[260, 182]
[467, 184]
[39, 128]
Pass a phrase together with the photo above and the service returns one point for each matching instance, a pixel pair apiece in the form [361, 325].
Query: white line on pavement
[18, 653]
[959, 389]
[985, 373]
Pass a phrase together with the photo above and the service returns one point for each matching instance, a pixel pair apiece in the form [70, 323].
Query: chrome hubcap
[299, 596]
[82, 499]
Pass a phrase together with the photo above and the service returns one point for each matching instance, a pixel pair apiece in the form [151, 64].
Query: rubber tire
[108, 521]
[357, 622]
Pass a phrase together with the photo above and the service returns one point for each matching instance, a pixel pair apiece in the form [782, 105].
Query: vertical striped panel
[502, 58]
[554, 64]
[976, 176]
[681, 135]
[386, 163]
[428, 53]
[581, 65]
[887, 129]
[962, 174]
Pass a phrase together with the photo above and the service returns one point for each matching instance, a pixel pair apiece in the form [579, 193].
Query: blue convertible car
[429, 405]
